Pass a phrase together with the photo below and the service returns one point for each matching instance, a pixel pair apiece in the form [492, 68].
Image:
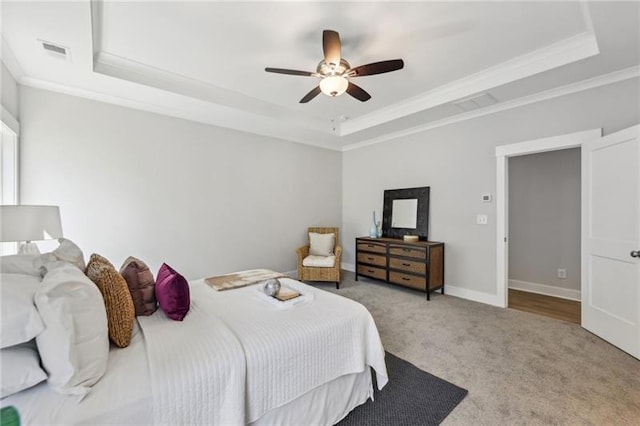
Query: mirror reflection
[404, 213]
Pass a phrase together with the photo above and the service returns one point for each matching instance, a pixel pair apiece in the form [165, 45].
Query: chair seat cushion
[319, 261]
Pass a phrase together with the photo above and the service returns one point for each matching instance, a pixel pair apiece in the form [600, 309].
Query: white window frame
[9, 168]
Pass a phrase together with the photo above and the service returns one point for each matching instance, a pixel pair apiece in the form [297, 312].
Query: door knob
[635, 253]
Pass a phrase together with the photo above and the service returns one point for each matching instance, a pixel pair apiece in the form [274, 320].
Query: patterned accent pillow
[117, 299]
[96, 258]
[141, 285]
[172, 291]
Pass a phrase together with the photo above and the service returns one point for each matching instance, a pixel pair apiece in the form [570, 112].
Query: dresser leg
[428, 297]
[442, 290]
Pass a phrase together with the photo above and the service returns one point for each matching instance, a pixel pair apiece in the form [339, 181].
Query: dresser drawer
[415, 252]
[412, 281]
[373, 247]
[370, 271]
[373, 259]
[408, 265]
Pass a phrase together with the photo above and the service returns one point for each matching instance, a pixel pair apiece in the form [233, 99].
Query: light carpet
[520, 368]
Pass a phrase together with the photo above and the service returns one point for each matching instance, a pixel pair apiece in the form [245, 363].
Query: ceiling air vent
[475, 102]
[55, 49]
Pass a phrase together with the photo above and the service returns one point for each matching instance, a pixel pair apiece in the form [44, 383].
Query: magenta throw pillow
[172, 292]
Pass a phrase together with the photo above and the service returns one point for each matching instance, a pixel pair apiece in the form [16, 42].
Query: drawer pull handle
[370, 258]
[406, 279]
[404, 249]
[369, 245]
[370, 271]
[406, 264]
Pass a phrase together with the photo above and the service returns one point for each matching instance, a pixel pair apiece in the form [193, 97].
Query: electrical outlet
[562, 273]
[482, 219]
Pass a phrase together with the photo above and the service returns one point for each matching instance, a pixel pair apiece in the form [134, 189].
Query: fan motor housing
[329, 69]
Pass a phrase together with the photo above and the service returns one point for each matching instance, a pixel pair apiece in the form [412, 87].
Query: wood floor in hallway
[554, 307]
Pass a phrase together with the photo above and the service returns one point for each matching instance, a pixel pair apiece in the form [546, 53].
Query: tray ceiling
[205, 61]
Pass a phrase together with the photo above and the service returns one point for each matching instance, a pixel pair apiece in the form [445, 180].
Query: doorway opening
[503, 155]
[544, 233]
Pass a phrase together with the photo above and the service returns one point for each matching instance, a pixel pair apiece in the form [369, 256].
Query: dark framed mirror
[406, 212]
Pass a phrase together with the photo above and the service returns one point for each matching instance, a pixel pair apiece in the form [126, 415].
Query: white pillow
[74, 345]
[20, 369]
[19, 264]
[20, 319]
[67, 251]
[321, 244]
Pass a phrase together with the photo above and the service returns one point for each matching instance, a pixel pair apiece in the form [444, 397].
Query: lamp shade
[29, 223]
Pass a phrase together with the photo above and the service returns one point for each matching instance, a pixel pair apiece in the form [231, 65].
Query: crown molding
[588, 84]
[564, 52]
[592, 83]
[197, 111]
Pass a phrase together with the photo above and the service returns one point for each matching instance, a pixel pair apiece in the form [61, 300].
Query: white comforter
[235, 357]
[197, 366]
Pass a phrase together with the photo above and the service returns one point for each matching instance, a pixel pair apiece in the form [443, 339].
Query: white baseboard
[547, 290]
[476, 296]
[348, 266]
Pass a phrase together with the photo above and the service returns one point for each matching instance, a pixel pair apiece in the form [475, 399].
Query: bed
[234, 359]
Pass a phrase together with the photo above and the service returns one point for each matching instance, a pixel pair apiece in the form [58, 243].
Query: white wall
[8, 91]
[544, 218]
[206, 200]
[458, 163]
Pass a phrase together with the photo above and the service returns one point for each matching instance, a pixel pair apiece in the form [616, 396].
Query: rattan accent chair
[311, 273]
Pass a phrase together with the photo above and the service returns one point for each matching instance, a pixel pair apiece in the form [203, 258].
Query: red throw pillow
[172, 292]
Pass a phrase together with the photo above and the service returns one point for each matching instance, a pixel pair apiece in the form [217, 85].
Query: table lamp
[29, 223]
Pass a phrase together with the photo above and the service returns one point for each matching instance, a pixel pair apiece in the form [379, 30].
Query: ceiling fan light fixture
[334, 85]
[335, 72]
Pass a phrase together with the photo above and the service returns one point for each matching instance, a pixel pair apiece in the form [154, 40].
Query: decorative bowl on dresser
[418, 265]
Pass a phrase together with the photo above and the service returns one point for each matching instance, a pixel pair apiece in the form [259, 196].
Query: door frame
[503, 153]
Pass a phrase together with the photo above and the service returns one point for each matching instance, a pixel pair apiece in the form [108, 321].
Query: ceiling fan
[335, 72]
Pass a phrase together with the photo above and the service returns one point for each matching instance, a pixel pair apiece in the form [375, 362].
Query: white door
[611, 238]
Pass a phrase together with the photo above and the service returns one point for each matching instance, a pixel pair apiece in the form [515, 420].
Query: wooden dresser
[418, 265]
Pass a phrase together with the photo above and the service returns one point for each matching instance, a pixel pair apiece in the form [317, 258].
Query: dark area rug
[412, 397]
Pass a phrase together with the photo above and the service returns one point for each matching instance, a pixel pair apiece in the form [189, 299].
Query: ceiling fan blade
[376, 68]
[331, 47]
[358, 92]
[312, 94]
[290, 72]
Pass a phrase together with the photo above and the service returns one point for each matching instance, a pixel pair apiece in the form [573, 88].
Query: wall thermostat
[486, 198]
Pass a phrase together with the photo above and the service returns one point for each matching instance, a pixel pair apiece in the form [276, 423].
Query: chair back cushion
[321, 244]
